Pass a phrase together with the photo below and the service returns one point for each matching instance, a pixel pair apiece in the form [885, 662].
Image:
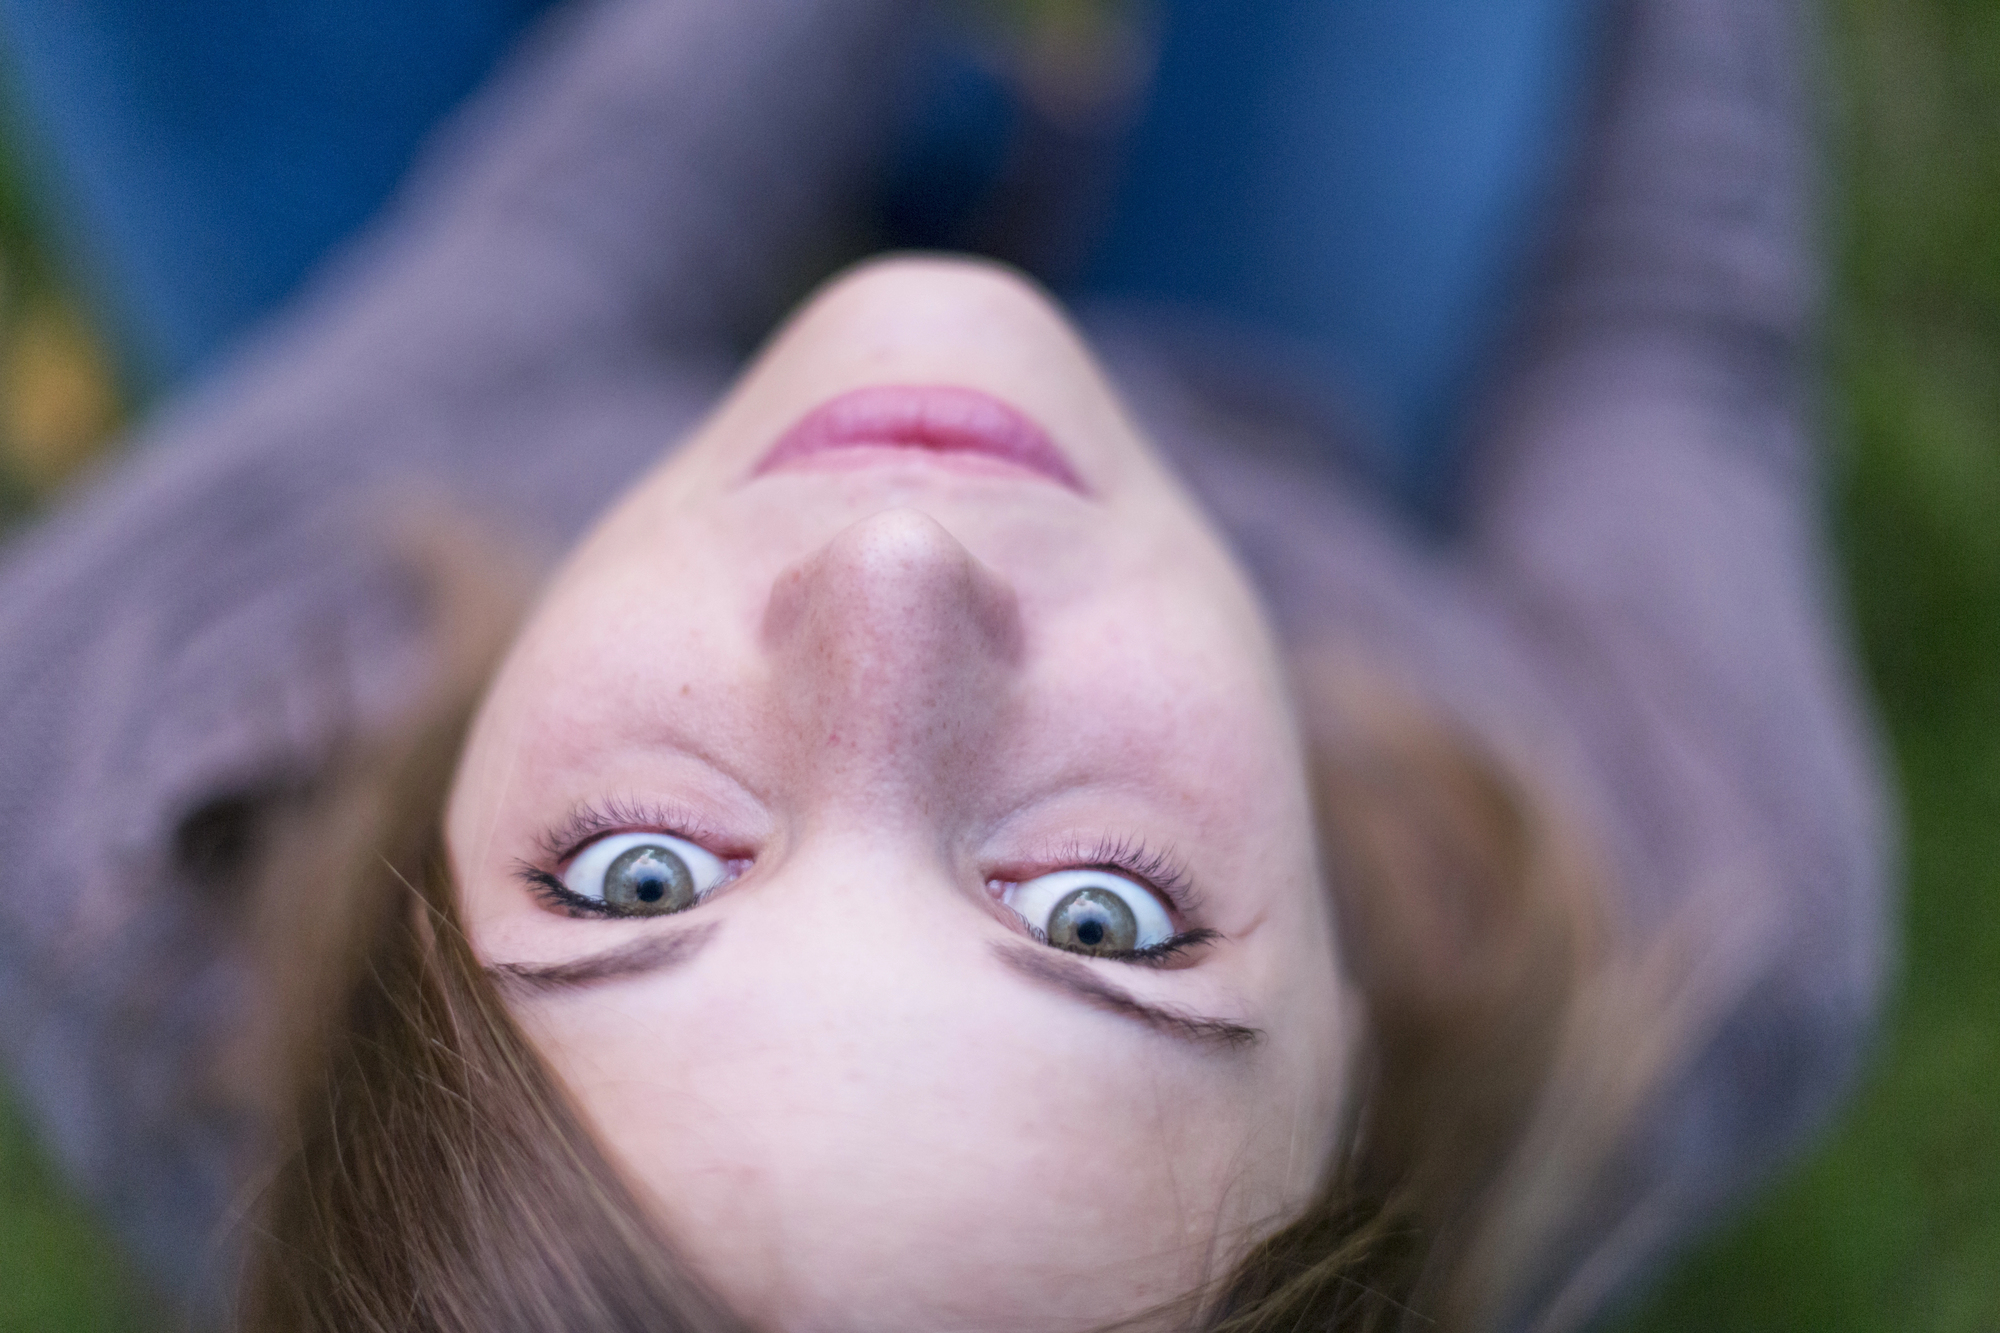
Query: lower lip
[891, 422]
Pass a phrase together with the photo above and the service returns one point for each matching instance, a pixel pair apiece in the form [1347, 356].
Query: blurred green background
[1894, 1224]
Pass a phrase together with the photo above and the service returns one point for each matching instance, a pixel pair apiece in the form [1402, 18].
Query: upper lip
[937, 418]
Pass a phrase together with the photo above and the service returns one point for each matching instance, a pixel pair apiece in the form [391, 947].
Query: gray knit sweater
[1636, 601]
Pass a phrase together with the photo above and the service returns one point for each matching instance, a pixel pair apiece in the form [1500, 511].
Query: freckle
[685, 689]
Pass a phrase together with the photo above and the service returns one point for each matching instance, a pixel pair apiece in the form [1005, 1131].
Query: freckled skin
[885, 687]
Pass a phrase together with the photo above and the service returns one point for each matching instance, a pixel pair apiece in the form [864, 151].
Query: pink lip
[942, 419]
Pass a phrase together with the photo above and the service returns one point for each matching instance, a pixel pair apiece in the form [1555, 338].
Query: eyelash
[1160, 871]
[1154, 955]
[586, 825]
[556, 894]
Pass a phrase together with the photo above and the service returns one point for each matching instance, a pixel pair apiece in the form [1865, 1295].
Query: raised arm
[1650, 509]
[544, 309]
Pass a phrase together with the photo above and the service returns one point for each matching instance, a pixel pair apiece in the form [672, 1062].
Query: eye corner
[556, 896]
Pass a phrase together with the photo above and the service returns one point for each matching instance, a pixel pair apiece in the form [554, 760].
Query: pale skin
[880, 688]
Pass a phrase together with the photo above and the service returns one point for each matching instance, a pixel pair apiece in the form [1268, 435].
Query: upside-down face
[893, 828]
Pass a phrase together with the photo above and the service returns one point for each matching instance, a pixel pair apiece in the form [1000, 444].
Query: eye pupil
[1093, 920]
[649, 881]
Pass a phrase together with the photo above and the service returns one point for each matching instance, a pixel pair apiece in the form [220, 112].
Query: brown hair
[431, 1174]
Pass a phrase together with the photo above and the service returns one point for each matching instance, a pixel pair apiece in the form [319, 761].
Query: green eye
[1093, 920]
[1091, 912]
[644, 874]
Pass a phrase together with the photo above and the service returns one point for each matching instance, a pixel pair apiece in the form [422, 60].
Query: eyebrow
[631, 959]
[1045, 965]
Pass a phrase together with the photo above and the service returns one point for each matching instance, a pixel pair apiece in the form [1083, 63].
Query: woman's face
[1007, 995]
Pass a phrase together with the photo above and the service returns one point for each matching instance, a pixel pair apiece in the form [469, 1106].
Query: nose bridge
[893, 651]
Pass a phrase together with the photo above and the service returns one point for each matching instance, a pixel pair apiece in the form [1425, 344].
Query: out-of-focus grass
[59, 405]
[59, 400]
[1895, 1223]
[57, 1272]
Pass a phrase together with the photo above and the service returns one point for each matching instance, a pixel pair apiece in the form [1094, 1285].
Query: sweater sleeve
[1647, 509]
[548, 304]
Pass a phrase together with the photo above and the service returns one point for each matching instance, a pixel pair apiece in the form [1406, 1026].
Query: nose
[894, 653]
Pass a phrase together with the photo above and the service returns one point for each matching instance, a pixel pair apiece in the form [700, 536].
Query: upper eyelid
[1175, 895]
[1153, 955]
[1160, 869]
[591, 820]
[1077, 978]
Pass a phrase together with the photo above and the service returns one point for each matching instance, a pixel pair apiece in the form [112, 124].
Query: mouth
[954, 426]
